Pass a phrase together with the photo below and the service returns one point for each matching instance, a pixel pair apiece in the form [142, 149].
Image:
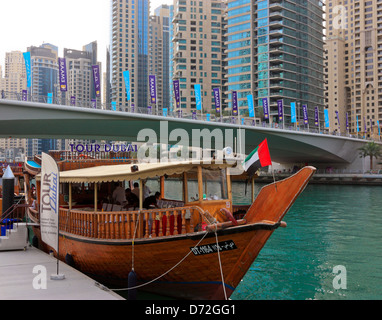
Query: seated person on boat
[131, 198]
[119, 194]
[151, 201]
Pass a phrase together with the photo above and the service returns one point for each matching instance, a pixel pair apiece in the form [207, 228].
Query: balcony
[277, 31]
[275, 75]
[177, 17]
[277, 93]
[276, 40]
[275, 14]
[277, 66]
[274, 49]
[276, 58]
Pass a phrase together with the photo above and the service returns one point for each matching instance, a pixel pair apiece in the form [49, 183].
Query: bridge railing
[244, 121]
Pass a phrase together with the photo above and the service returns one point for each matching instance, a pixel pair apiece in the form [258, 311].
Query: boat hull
[182, 271]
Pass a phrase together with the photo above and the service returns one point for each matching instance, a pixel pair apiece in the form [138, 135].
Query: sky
[66, 24]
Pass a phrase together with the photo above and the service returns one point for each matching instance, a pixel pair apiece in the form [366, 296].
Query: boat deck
[17, 279]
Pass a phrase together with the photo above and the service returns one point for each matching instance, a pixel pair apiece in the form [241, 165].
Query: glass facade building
[44, 71]
[44, 81]
[275, 51]
[129, 50]
[171, 61]
[142, 21]
[159, 55]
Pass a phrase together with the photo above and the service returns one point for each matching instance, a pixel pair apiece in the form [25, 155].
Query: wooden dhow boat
[196, 245]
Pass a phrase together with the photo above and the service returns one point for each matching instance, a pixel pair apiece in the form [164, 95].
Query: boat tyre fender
[69, 260]
[132, 283]
[229, 216]
[35, 242]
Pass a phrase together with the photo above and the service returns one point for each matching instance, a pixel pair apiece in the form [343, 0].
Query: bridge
[21, 119]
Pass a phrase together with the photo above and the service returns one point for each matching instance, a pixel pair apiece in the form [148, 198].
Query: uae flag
[259, 157]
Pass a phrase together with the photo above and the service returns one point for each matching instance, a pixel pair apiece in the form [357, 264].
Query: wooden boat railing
[125, 225]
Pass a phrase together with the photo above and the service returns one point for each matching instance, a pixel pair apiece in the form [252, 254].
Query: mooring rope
[156, 279]
[220, 263]
[133, 243]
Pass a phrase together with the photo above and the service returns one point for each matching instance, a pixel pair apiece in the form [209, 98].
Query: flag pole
[253, 189]
[221, 105]
[58, 276]
[274, 179]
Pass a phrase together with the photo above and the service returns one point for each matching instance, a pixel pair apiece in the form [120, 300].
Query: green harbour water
[328, 226]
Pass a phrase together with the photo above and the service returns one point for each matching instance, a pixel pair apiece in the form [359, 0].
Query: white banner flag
[49, 201]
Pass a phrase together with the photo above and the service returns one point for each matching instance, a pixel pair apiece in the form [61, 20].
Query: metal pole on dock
[8, 189]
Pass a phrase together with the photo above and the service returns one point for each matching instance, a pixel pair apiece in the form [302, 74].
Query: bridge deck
[40, 120]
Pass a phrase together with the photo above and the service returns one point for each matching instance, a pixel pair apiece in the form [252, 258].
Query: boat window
[192, 186]
[173, 188]
[153, 185]
[214, 184]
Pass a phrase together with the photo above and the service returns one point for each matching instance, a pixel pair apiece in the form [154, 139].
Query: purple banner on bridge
[97, 80]
[63, 75]
[235, 110]
[305, 112]
[25, 95]
[347, 121]
[338, 118]
[266, 108]
[280, 108]
[177, 92]
[153, 88]
[217, 100]
[316, 117]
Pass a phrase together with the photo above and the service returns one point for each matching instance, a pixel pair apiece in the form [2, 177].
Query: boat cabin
[189, 192]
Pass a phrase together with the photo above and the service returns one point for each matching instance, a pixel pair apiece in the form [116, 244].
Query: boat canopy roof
[135, 171]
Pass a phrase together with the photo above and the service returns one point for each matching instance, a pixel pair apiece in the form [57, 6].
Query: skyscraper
[159, 55]
[129, 50]
[92, 49]
[275, 51]
[353, 65]
[13, 83]
[80, 74]
[15, 75]
[44, 71]
[44, 81]
[198, 51]
[171, 59]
